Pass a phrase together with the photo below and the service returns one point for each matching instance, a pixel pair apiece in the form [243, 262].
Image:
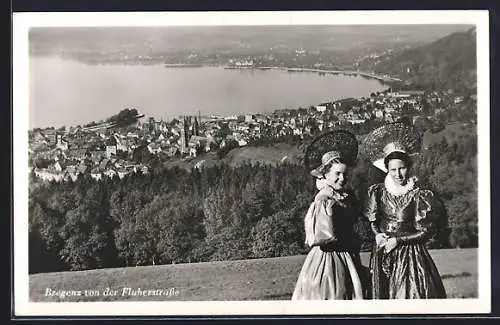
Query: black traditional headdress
[391, 137]
[341, 142]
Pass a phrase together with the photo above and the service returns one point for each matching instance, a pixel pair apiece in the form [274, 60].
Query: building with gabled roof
[96, 174]
[105, 163]
[50, 136]
[154, 148]
[82, 168]
[110, 172]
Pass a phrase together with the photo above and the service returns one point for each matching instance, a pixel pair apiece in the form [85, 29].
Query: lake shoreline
[381, 78]
[321, 71]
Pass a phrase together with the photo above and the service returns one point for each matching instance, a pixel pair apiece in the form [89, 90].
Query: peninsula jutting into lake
[383, 78]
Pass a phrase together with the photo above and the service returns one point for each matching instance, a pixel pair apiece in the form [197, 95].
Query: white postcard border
[23, 21]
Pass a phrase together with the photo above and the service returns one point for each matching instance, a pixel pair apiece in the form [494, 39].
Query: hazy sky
[223, 38]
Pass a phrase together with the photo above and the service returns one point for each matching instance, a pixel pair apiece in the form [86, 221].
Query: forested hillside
[448, 63]
[220, 212]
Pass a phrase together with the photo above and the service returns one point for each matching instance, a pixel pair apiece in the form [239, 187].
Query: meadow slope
[256, 279]
[280, 152]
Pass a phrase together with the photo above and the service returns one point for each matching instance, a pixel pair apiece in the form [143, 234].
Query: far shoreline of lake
[382, 78]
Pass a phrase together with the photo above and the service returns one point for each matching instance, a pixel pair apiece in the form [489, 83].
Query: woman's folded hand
[390, 244]
[381, 239]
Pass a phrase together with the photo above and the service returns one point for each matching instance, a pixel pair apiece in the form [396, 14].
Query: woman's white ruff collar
[396, 189]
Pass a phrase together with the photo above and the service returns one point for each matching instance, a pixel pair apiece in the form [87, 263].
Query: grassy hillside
[281, 152]
[257, 279]
[273, 154]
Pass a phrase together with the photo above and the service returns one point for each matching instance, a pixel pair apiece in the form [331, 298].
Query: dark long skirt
[407, 272]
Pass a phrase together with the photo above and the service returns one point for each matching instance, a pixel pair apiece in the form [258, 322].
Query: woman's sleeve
[371, 208]
[427, 209]
[355, 207]
[319, 226]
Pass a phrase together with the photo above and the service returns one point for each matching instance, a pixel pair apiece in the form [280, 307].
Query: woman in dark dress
[403, 218]
[331, 268]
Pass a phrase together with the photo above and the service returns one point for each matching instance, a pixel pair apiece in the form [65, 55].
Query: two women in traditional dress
[402, 217]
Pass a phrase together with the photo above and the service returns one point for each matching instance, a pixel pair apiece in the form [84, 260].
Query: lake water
[70, 93]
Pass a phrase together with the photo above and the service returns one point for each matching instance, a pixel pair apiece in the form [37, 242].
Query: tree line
[221, 212]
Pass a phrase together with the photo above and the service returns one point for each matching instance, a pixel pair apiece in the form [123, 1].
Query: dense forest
[222, 212]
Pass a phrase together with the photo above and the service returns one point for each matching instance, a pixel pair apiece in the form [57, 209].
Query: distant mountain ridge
[448, 63]
[237, 39]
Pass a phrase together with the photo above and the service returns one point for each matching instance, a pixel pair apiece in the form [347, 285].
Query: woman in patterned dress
[403, 218]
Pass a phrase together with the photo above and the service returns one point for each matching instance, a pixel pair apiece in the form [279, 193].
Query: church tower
[183, 136]
[196, 127]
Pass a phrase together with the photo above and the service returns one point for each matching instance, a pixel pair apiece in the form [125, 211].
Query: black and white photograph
[251, 163]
